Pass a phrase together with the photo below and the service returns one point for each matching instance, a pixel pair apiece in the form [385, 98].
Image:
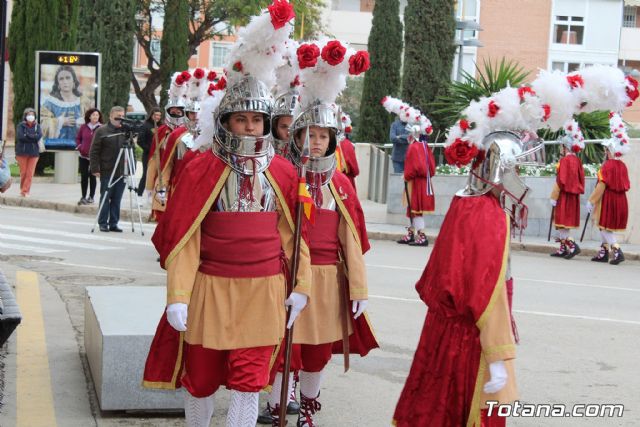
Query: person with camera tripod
[107, 142]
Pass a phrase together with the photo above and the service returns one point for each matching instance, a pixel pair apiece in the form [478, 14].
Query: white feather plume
[206, 123]
[618, 144]
[289, 71]
[553, 89]
[604, 88]
[177, 91]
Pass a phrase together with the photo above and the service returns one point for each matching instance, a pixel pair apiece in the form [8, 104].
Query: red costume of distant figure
[170, 164]
[468, 315]
[153, 168]
[610, 196]
[419, 168]
[346, 160]
[567, 190]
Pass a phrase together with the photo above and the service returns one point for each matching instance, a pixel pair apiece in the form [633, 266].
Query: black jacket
[107, 141]
[27, 140]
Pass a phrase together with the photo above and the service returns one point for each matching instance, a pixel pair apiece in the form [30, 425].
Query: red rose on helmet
[211, 76]
[237, 67]
[198, 73]
[281, 12]
[632, 90]
[211, 89]
[547, 112]
[308, 54]
[493, 109]
[179, 80]
[464, 125]
[575, 81]
[522, 91]
[575, 148]
[333, 52]
[359, 63]
[429, 130]
[460, 153]
[185, 76]
[383, 100]
[222, 84]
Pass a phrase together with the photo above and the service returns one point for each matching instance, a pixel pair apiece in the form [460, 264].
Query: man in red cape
[465, 357]
[419, 168]
[565, 198]
[609, 204]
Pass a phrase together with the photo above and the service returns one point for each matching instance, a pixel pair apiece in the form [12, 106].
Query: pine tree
[174, 46]
[428, 51]
[37, 25]
[107, 27]
[383, 78]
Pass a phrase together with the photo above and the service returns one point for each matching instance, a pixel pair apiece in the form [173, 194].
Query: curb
[373, 235]
[66, 207]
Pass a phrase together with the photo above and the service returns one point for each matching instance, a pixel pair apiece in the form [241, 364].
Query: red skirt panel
[567, 212]
[323, 238]
[440, 386]
[614, 210]
[421, 202]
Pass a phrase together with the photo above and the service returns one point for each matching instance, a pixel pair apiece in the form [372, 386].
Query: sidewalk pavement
[45, 194]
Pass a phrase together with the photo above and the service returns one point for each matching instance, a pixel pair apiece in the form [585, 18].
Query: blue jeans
[398, 167]
[110, 213]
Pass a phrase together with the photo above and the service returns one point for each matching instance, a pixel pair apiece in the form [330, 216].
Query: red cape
[350, 167]
[170, 147]
[196, 191]
[570, 177]
[419, 167]
[158, 137]
[466, 267]
[363, 339]
[614, 210]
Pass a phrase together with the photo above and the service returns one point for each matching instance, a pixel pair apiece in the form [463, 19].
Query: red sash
[323, 238]
[257, 256]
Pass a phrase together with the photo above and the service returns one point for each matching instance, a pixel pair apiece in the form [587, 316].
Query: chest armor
[246, 193]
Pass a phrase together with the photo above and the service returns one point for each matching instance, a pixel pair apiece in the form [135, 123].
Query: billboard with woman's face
[67, 85]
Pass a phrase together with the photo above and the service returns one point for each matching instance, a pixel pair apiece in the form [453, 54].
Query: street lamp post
[3, 50]
[461, 42]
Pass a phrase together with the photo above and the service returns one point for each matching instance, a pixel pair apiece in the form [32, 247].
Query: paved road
[578, 323]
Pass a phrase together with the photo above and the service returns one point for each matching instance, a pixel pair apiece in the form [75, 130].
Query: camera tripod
[128, 175]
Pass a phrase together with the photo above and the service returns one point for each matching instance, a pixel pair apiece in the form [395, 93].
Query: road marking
[30, 248]
[394, 267]
[535, 313]
[517, 279]
[99, 267]
[92, 246]
[582, 285]
[87, 236]
[34, 400]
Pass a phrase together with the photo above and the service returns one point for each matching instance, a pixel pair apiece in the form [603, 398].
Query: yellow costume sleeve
[356, 269]
[182, 269]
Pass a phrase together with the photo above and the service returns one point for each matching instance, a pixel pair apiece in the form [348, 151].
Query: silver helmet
[174, 119]
[192, 106]
[498, 171]
[245, 154]
[319, 170]
[285, 104]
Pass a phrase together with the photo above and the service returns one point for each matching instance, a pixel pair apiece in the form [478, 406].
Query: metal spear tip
[306, 149]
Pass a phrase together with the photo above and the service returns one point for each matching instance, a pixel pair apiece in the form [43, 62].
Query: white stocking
[198, 410]
[243, 409]
[563, 233]
[310, 383]
[608, 237]
[418, 224]
[274, 396]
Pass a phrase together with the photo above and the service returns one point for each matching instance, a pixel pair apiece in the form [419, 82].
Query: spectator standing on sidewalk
[27, 153]
[154, 120]
[84, 137]
[398, 136]
[107, 141]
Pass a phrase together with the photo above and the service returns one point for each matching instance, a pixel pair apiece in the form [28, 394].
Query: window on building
[154, 46]
[220, 54]
[566, 67]
[629, 16]
[568, 29]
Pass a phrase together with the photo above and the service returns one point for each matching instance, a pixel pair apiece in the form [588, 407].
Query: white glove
[498, 378]
[358, 306]
[589, 207]
[177, 316]
[297, 302]
[553, 202]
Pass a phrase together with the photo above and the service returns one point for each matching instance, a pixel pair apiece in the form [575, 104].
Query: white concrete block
[120, 322]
